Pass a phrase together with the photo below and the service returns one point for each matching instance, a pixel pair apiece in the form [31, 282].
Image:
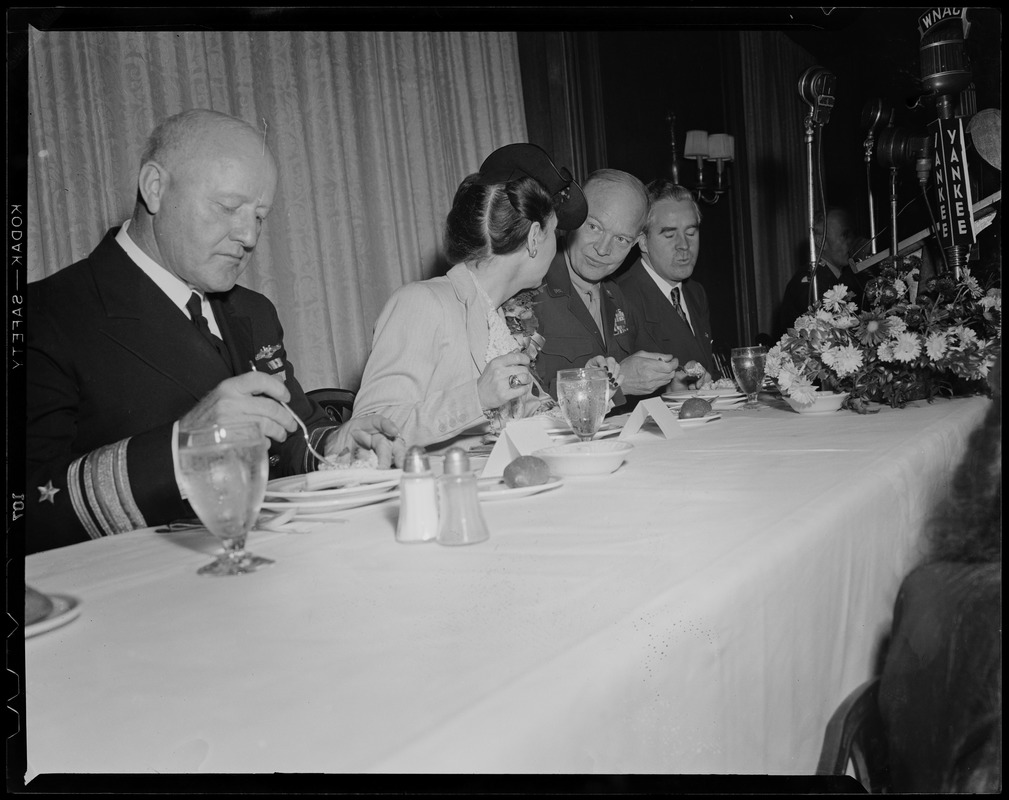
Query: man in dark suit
[672, 305]
[580, 315]
[837, 243]
[150, 335]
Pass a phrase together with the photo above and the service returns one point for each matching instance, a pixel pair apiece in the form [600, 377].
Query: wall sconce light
[702, 146]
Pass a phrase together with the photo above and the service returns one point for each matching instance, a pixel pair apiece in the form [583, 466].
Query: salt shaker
[418, 499]
[461, 519]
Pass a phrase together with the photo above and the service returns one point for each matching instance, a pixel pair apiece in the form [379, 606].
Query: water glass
[225, 468]
[584, 398]
[748, 367]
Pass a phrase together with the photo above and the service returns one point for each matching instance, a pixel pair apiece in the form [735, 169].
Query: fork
[532, 374]
[304, 430]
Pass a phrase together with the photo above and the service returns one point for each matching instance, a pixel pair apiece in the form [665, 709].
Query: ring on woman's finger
[514, 381]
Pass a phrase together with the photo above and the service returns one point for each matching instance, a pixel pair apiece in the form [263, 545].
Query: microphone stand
[870, 141]
[893, 214]
[808, 138]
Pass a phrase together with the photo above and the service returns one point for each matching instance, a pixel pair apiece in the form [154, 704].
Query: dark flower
[915, 318]
[946, 285]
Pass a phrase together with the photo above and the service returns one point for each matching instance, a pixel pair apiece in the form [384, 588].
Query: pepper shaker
[462, 521]
[418, 499]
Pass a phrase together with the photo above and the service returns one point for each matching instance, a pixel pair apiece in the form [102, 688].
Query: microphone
[899, 147]
[945, 69]
[816, 88]
[878, 113]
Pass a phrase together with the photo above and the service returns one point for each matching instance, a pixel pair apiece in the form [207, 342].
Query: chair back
[855, 736]
[338, 403]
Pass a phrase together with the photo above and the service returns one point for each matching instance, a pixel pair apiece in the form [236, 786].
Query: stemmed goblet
[584, 397]
[748, 367]
[225, 468]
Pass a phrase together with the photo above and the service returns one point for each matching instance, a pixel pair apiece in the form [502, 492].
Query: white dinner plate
[495, 488]
[332, 485]
[64, 609]
[325, 505]
[706, 394]
[697, 422]
[716, 402]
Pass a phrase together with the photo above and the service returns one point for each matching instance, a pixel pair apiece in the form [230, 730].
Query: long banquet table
[701, 610]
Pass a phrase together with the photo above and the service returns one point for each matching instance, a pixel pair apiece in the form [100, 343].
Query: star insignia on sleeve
[48, 493]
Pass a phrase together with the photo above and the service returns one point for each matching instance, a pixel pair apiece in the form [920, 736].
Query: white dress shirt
[666, 287]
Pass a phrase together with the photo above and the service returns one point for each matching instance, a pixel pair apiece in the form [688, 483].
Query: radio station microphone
[945, 68]
[899, 147]
[816, 88]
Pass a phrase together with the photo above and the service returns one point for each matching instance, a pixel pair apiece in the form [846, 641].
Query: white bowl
[823, 403]
[584, 458]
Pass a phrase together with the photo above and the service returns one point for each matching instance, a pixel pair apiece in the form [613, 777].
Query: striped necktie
[675, 295]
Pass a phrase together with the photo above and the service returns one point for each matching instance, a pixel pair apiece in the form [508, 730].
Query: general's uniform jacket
[662, 329]
[571, 335]
[112, 363]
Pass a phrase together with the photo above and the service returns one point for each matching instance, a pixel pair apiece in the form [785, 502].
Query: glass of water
[225, 468]
[584, 398]
[748, 367]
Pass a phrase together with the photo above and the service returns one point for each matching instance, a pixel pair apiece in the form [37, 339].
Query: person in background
[444, 362]
[839, 243]
[940, 692]
[671, 305]
[150, 335]
[581, 315]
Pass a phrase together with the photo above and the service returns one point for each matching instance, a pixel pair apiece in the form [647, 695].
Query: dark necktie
[195, 309]
[675, 294]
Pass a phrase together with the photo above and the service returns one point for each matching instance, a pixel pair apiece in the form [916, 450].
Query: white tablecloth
[701, 610]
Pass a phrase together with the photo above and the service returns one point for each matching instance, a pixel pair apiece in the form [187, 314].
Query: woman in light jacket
[444, 361]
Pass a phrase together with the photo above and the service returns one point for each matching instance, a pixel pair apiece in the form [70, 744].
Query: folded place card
[659, 412]
[521, 437]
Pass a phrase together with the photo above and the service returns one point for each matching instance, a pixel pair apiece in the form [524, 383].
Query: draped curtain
[373, 132]
[776, 166]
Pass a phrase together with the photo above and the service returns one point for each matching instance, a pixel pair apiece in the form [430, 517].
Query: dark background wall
[610, 93]
[874, 52]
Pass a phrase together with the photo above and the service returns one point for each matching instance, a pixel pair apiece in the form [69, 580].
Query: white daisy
[906, 347]
[833, 298]
[935, 345]
[843, 360]
[802, 391]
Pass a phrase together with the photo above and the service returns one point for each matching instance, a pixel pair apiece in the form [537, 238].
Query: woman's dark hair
[968, 526]
[495, 219]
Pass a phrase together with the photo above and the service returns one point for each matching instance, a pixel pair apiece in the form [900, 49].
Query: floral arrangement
[523, 326]
[522, 322]
[914, 341]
